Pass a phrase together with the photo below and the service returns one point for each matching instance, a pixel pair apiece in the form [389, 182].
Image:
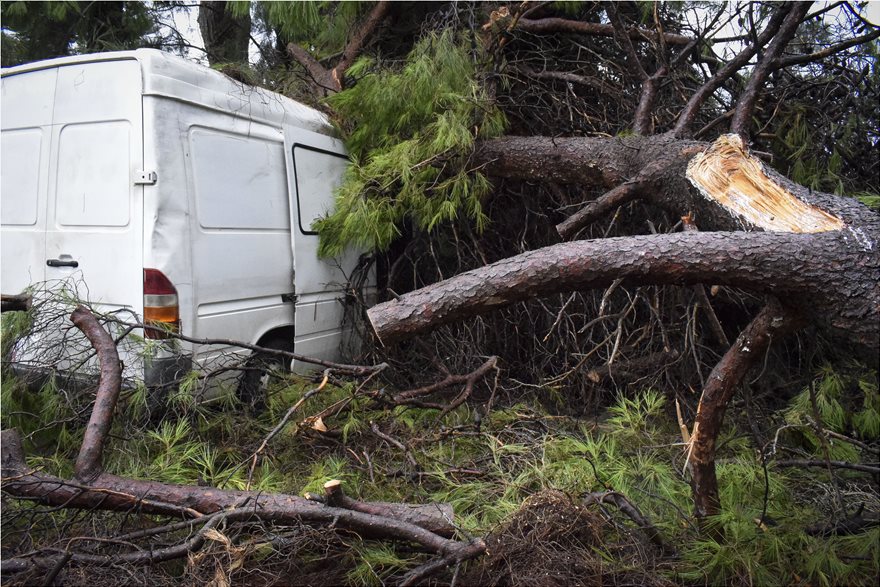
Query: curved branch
[330, 80]
[747, 100]
[721, 385]
[89, 461]
[817, 272]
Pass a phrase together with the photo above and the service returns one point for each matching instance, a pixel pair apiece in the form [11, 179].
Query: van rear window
[20, 173]
[94, 174]
[240, 181]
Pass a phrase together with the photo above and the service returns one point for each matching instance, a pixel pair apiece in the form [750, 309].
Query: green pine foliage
[323, 27]
[409, 131]
[847, 401]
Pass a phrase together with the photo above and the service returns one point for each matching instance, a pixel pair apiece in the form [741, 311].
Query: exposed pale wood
[727, 174]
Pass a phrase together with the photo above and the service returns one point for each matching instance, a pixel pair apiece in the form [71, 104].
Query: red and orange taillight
[161, 307]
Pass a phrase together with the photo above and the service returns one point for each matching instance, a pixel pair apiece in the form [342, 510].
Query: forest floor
[536, 482]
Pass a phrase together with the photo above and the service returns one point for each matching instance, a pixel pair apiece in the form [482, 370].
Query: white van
[176, 193]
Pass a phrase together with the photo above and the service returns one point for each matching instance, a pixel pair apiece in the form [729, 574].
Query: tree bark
[829, 277]
[816, 251]
[226, 37]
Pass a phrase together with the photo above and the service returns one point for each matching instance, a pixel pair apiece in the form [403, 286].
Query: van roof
[173, 77]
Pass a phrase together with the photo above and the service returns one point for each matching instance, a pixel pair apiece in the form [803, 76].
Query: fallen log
[817, 252]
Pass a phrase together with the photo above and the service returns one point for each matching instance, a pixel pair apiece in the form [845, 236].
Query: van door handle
[61, 263]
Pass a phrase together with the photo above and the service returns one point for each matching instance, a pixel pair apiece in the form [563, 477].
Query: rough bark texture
[749, 348]
[610, 162]
[831, 277]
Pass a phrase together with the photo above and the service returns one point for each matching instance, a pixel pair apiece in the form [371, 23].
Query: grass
[487, 473]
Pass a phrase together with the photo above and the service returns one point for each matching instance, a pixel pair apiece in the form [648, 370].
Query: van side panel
[218, 225]
[242, 262]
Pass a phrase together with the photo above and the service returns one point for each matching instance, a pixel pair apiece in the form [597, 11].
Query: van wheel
[262, 371]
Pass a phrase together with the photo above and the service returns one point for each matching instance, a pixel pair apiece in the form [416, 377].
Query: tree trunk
[815, 251]
[226, 36]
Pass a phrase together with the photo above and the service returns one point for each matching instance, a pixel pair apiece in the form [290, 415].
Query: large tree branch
[747, 100]
[816, 272]
[724, 170]
[562, 25]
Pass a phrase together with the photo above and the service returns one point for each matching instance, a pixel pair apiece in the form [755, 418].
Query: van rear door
[95, 205]
[25, 142]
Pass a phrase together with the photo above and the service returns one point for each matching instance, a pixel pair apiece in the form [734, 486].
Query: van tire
[261, 369]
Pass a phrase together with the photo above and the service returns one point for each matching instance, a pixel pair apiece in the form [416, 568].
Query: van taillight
[160, 304]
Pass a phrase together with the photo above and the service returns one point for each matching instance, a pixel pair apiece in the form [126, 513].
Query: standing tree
[226, 34]
[42, 30]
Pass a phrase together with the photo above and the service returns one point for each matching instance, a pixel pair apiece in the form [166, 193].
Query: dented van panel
[141, 160]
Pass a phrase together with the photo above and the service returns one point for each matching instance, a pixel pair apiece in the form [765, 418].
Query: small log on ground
[95, 489]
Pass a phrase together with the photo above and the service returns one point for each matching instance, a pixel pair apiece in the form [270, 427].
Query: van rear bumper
[159, 372]
[162, 371]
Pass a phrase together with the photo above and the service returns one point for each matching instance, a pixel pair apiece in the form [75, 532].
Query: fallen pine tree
[816, 255]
